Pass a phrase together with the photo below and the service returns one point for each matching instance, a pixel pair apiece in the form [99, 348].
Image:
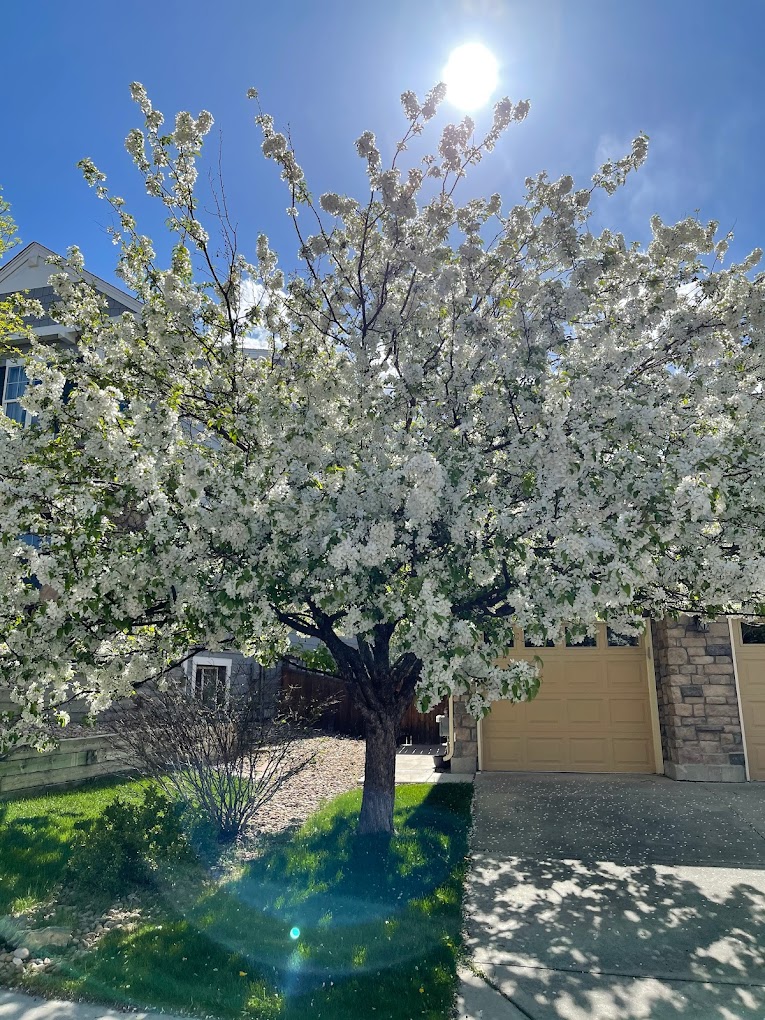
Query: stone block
[681, 710]
[690, 756]
[718, 629]
[730, 740]
[719, 649]
[692, 691]
[717, 689]
[40, 937]
[676, 656]
[718, 710]
[709, 748]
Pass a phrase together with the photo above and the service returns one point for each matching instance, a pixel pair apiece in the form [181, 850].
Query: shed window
[209, 682]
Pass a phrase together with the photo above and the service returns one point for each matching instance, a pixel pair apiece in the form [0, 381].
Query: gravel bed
[339, 767]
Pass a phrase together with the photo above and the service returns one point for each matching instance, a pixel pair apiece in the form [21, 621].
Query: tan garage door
[750, 666]
[592, 713]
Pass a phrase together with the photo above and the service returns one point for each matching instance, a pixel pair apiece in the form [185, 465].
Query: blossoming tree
[465, 418]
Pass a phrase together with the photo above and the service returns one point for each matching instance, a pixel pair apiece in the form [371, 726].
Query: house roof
[29, 271]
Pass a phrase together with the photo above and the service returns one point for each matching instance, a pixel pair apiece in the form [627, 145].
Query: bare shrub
[226, 754]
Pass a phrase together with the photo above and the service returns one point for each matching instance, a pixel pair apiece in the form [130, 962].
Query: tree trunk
[379, 775]
[382, 690]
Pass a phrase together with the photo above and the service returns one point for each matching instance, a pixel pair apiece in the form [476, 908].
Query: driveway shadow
[619, 898]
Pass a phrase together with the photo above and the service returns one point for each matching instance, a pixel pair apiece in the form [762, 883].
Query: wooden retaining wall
[303, 688]
[74, 760]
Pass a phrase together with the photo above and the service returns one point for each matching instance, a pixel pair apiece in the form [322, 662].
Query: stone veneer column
[698, 705]
[465, 756]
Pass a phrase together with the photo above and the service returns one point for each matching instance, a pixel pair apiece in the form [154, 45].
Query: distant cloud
[253, 294]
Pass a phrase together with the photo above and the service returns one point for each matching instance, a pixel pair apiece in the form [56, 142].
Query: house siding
[48, 299]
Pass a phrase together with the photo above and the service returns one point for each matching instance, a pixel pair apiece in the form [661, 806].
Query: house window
[210, 681]
[13, 383]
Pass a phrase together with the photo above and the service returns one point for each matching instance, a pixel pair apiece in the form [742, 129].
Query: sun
[471, 75]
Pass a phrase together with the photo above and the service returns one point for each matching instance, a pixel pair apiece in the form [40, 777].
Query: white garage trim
[653, 700]
[734, 628]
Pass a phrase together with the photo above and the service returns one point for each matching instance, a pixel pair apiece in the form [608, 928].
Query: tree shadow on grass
[37, 835]
[328, 915]
[33, 857]
[322, 923]
[170, 965]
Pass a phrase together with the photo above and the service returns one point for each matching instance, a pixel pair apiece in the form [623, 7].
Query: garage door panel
[587, 711]
[554, 677]
[632, 753]
[588, 676]
[507, 754]
[548, 712]
[589, 753]
[625, 675]
[757, 761]
[543, 752]
[629, 712]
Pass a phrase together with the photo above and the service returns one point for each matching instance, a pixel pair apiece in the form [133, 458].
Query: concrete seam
[617, 974]
[475, 969]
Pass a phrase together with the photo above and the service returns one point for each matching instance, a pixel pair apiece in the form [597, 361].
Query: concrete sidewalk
[17, 1006]
[416, 763]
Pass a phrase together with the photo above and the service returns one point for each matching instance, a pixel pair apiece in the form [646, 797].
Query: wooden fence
[303, 689]
[74, 760]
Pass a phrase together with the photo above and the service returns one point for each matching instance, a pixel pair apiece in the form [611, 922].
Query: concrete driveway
[615, 898]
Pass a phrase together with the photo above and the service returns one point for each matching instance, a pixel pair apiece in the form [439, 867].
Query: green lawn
[321, 925]
[37, 834]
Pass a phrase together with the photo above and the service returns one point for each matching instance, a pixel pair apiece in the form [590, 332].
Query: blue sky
[596, 72]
